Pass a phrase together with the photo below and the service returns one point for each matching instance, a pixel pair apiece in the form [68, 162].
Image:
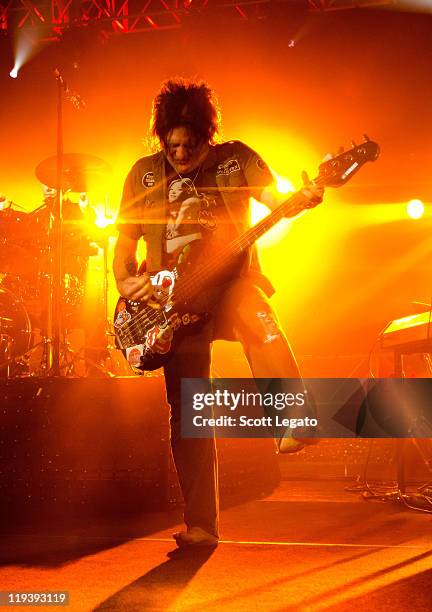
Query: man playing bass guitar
[188, 197]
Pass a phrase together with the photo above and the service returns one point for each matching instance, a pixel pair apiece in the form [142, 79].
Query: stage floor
[309, 546]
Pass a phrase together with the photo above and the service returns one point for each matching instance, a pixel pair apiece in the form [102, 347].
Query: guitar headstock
[339, 169]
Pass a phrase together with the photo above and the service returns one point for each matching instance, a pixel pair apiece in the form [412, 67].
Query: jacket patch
[262, 165]
[148, 180]
[228, 167]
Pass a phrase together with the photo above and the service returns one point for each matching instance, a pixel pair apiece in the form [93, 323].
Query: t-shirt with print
[195, 212]
[229, 176]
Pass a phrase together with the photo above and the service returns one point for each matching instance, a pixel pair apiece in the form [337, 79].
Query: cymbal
[80, 171]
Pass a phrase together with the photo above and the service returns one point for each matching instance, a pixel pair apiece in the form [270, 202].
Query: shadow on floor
[161, 586]
[411, 593]
[62, 540]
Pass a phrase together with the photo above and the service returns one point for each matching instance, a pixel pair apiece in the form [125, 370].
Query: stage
[309, 545]
[90, 500]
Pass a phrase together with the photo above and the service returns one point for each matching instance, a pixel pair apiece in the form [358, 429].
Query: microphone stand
[52, 352]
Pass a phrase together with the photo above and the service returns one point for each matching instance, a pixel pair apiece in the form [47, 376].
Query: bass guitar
[146, 332]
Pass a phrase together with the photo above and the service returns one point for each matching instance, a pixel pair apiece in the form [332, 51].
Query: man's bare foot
[195, 537]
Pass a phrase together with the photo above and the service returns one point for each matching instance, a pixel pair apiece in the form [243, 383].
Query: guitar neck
[334, 172]
[189, 287]
[290, 208]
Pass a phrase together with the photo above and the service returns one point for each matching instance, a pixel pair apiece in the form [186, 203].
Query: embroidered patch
[269, 325]
[148, 180]
[262, 165]
[228, 167]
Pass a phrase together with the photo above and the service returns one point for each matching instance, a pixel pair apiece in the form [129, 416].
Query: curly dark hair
[183, 102]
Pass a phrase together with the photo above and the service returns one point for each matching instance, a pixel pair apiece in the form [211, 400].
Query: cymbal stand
[106, 360]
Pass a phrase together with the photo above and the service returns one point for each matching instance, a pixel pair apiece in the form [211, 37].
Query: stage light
[28, 42]
[102, 219]
[102, 222]
[83, 200]
[283, 185]
[258, 211]
[415, 209]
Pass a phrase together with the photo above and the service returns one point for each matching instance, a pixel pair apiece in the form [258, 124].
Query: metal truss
[339, 5]
[53, 17]
[116, 16]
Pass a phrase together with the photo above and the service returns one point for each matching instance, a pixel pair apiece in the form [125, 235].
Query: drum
[17, 253]
[13, 225]
[32, 292]
[15, 327]
[76, 245]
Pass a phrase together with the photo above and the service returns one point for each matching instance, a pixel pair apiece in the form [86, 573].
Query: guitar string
[151, 315]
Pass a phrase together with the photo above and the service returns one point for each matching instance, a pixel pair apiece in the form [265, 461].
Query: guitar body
[147, 332]
[153, 338]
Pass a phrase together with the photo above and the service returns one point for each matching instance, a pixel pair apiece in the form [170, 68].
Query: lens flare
[415, 209]
[283, 184]
[102, 219]
[28, 42]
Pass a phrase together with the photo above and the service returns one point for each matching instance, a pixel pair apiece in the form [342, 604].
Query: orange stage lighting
[283, 184]
[27, 43]
[415, 209]
[102, 218]
[258, 210]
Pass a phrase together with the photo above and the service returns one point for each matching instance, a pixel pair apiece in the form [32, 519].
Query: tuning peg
[340, 150]
[353, 143]
[366, 138]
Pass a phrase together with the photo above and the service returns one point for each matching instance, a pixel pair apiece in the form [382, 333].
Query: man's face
[184, 151]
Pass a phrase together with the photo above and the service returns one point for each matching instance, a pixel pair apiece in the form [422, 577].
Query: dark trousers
[243, 314]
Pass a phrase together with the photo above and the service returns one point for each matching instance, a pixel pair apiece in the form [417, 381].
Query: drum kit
[26, 276]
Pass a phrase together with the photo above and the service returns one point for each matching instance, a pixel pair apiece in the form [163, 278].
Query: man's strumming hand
[136, 288]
